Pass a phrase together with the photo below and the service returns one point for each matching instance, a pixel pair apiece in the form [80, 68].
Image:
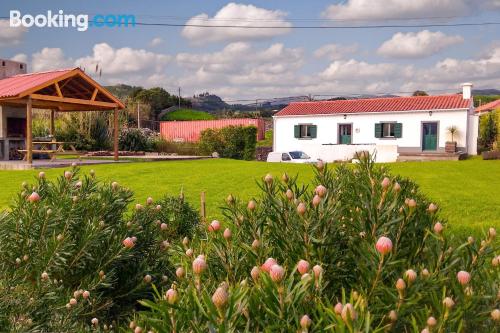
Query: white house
[389, 127]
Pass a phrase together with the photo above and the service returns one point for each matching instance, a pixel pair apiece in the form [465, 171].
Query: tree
[488, 131]
[420, 93]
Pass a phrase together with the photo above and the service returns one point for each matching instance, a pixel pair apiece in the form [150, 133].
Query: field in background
[187, 114]
[466, 191]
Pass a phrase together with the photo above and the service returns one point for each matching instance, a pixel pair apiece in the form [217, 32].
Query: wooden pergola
[69, 90]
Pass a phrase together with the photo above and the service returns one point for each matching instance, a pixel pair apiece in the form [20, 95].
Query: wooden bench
[52, 153]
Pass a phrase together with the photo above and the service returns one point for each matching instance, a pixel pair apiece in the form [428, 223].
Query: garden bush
[237, 142]
[71, 252]
[136, 139]
[362, 251]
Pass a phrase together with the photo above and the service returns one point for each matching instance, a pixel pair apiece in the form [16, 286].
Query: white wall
[363, 129]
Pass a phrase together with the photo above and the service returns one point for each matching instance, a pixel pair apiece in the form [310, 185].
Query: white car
[289, 157]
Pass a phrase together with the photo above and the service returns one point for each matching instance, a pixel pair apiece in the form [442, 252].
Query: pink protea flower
[199, 265]
[269, 179]
[338, 308]
[41, 175]
[268, 264]
[171, 296]
[303, 267]
[189, 252]
[163, 226]
[289, 194]
[128, 243]
[149, 201]
[412, 203]
[180, 272]
[227, 234]
[220, 297]
[431, 321]
[68, 175]
[277, 273]
[448, 302]
[400, 285]
[396, 187]
[214, 226]
[318, 271]
[255, 273]
[410, 275]
[438, 228]
[251, 205]
[385, 183]
[134, 239]
[34, 197]
[86, 294]
[432, 208]
[138, 329]
[463, 277]
[320, 190]
[305, 322]
[383, 245]
[495, 315]
[301, 208]
[348, 313]
[316, 200]
[94, 321]
[255, 244]
[73, 301]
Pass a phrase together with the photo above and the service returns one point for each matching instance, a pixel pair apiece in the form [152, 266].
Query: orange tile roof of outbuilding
[489, 106]
[15, 85]
[392, 104]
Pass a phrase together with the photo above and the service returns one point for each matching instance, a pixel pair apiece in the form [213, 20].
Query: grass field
[187, 114]
[467, 191]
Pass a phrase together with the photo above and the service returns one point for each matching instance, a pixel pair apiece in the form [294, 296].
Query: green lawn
[467, 191]
[187, 114]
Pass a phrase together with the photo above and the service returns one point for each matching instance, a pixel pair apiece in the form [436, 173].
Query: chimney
[11, 68]
[467, 90]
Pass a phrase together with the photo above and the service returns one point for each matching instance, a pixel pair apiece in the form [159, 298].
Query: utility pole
[138, 115]
[179, 97]
[256, 101]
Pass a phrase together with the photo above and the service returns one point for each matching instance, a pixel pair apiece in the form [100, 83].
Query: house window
[3, 63]
[305, 131]
[388, 130]
[21, 66]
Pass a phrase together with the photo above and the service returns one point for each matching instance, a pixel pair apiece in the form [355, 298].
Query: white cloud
[156, 41]
[237, 15]
[359, 70]
[21, 57]
[49, 59]
[397, 9]
[335, 51]
[417, 44]
[10, 35]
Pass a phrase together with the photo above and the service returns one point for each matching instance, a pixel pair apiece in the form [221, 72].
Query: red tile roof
[15, 85]
[413, 103]
[489, 106]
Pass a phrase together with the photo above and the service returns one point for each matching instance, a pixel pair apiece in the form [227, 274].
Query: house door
[345, 132]
[429, 136]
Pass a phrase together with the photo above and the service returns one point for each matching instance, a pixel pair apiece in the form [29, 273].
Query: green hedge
[235, 142]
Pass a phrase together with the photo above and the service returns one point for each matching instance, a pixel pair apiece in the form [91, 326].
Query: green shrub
[70, 237]
[136, 139]
[187, 114]
[235, 142]
[181, 148]
[355, 285]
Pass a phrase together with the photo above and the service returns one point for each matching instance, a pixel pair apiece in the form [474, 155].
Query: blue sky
[263, 63]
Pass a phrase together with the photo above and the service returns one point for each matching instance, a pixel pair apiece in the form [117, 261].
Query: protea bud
[68, 175]
[149, 201]
[94, 321]
[199, 265]
[86, 294]
[163, 226]
[301, 208]
[448, 302]
[189, 252]
[147, 278]
[305, 277]
[320, 190]
[348, 313]
[227, 234]
[78, 184]
[305, 322]
[383, 245]
[277, 273]
[285, 178]
[400, 285]
[180, 272]
[171, 296]
[289, 194]
[463, 277]
[255, 272]
[470, 240]
[393, 316]
[268, 264]
[45, 276]
[438, 228]
[158, 208]
[412, 203]
[338, 308]
[268, 179]
[316, 200]
[396, 187]
[220, 297]
[495, 261]
[385, 183]
[425, 330]
[214, 226]
[73, 301]
[92, 172]
[41, 175]
[230, 199]
[185, 241]
[431, 321]
[138, 329]
[114, 186]
[255, 244]
[492, 233]
[495, 315]
[410, 275]
[251, 205]
[320, 165]
[425, 273]
[303, 267]
[318, 271]
[432, 208]
[34, 197]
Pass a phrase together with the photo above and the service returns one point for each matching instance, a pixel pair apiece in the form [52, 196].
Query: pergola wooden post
[29, 130]
[52, 123]
[115, 134]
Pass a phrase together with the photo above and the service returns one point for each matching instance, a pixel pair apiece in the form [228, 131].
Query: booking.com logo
[60, 20]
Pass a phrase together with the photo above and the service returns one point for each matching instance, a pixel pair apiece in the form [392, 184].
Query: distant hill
[210, 103]
[485, 92]
[123, 91]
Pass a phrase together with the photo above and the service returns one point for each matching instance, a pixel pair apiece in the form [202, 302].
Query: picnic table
[47, 147]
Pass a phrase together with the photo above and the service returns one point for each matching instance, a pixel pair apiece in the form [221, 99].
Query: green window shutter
[314, 131]
[378, 130]
[398, 130]
[296, 130]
